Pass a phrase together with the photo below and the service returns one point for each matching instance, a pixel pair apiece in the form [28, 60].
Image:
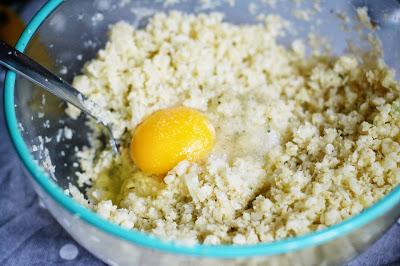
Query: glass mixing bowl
[63, 35]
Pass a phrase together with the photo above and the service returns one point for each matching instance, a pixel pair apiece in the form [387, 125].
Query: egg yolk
[170, 136]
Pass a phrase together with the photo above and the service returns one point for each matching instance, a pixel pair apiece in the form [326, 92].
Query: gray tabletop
[30, 236]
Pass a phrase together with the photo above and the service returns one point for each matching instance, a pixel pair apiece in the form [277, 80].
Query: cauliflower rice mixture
[301, 143]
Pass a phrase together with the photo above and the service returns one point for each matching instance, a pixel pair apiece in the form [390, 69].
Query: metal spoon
[30, 69]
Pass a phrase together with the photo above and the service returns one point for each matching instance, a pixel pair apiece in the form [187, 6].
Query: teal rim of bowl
[146, 240]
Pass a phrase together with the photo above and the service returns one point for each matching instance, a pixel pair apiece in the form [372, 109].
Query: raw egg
[169, 136]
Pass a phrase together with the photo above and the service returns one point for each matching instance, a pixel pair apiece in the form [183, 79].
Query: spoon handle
[30, 69]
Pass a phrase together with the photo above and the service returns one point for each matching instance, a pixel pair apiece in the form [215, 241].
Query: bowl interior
[74, 33]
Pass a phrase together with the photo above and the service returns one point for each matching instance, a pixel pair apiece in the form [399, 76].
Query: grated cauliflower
[302, 142]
